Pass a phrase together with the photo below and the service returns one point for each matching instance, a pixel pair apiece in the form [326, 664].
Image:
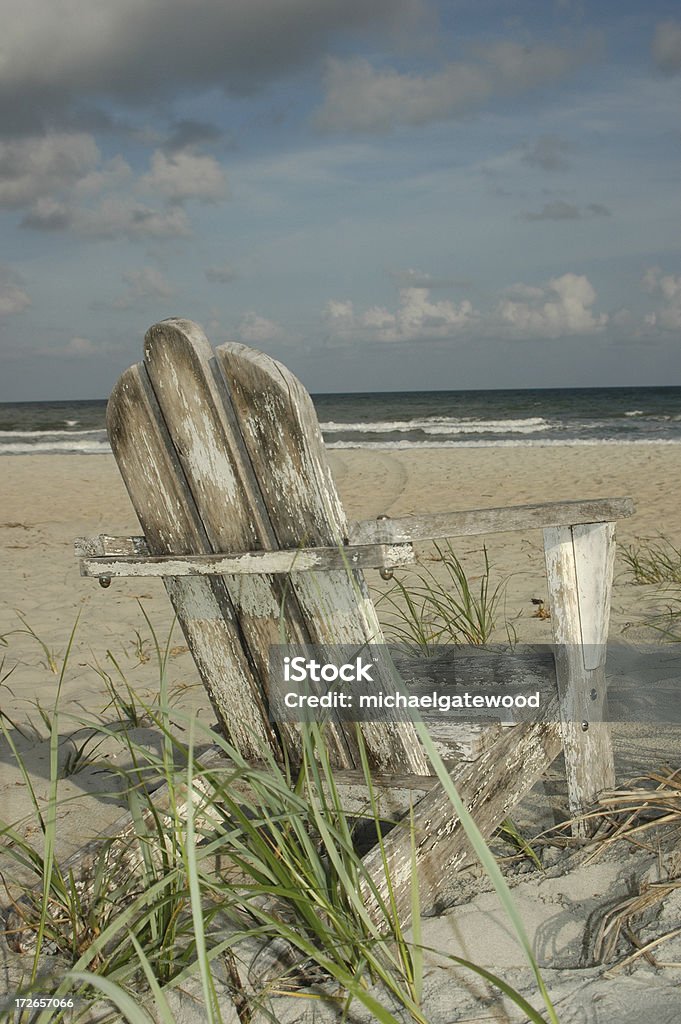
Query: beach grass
[242, 857]
[658, 563]
[429, 606]
[653, 561]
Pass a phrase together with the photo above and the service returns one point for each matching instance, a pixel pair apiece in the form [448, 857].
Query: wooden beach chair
[224, 461]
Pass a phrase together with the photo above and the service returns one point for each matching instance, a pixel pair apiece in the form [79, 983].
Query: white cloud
[34, 167]
[416, 318]
[117, 216]
[667, 46]
[62, 183]
[112, 174]
[360, 97]
[417, 314]
[668, 316]
[13, 297]
[562, 307]
[113, 217]
[142, 286]
[185, 175]
[48, 214]
[340, 313]
[557, 309]
[254, 329]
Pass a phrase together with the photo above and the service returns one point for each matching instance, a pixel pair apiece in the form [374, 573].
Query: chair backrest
[221, 452]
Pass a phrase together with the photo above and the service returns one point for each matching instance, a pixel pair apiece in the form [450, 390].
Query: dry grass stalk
[618, 920]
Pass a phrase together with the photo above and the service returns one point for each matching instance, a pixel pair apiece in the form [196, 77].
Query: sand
[46, 501]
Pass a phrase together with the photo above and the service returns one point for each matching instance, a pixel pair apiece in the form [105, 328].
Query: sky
[395, 195]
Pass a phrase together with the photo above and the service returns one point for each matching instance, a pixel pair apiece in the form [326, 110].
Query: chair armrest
[438, 525]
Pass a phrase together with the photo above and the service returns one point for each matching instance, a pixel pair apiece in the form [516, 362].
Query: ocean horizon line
[405, 420]
[403, 391]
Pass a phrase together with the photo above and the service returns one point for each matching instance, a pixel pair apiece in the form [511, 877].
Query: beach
[48, 500]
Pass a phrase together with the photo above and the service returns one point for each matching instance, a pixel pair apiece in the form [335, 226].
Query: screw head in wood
[105, 581]
[585, 726]
[593, 694]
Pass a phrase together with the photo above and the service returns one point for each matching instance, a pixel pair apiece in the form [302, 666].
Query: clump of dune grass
[523, 848]
[653, 562]
[659, 563]
[233, 854]
[427, 607]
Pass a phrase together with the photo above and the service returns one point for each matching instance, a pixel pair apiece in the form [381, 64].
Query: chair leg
[579, 569]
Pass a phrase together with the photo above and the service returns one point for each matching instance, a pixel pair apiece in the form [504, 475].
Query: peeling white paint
[206, 454]
[254, 596]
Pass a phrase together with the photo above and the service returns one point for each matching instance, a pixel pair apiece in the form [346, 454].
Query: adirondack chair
[224, 461]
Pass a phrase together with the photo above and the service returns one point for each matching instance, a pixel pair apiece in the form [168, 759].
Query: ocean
[404, 420]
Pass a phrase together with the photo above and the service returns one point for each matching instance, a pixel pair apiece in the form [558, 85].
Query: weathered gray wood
[226, 480]
[594, 548]
[579, 575]
[488, 520]
[224, 459]
[489, 788]
[172, 525]
[377, 556]
[432, 526]
[281, 434]
[102, 544]
[181, 369]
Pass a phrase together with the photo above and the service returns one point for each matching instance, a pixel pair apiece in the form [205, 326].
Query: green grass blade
[129, 1007]
[49, 835]
[157, 992]
[209, 994]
